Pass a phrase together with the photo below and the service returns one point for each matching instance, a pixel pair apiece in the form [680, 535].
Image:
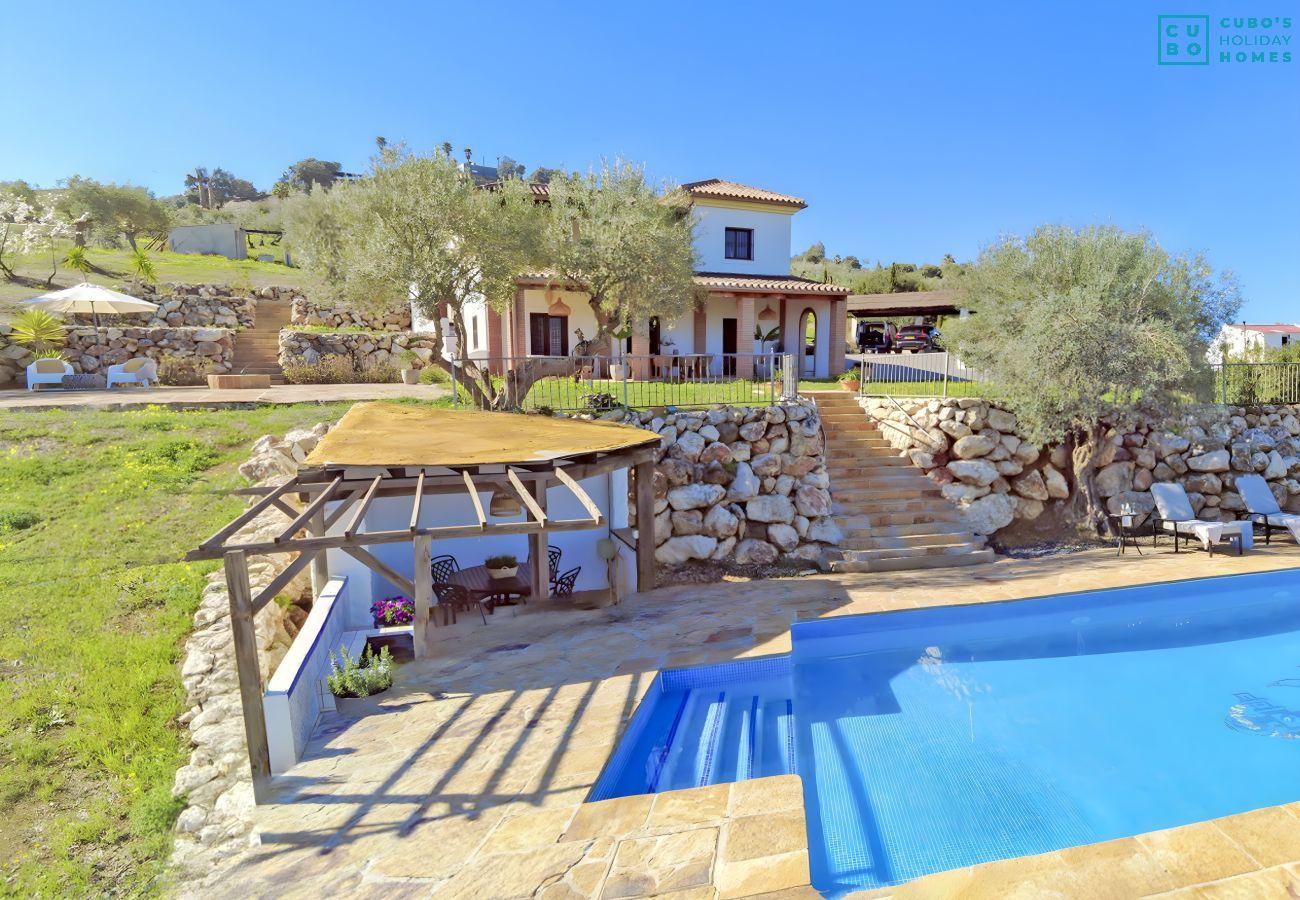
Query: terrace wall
[975, 450]
[740, 484]
[91, 349]
[306, 312]
[365, 350]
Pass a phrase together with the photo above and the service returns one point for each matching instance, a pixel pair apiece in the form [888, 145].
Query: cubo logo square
[1184, 40]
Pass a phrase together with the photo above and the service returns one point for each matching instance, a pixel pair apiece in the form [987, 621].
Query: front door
[729, 346]
[654, 335]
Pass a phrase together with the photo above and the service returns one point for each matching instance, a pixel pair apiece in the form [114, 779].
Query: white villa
[1237, 339]
[742, 240]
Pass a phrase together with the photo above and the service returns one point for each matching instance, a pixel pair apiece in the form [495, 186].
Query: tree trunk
[1087, 506]
[130, 239]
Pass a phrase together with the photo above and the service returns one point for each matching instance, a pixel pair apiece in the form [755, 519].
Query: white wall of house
[1239, 339]
[394, 513]
[218, 239]
[771, 227]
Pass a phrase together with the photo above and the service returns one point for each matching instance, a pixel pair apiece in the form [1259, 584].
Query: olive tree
[1076, 328]
[626, 245]
[417, 228]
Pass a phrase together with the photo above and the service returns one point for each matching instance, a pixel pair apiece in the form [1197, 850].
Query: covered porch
[389, 489]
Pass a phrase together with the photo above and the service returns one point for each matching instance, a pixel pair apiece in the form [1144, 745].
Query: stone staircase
[892, 515]
[257, 349]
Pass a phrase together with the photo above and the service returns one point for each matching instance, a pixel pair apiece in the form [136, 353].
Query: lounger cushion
[134, 365]
[1172, 502]
[50, 366]
[1258, 497]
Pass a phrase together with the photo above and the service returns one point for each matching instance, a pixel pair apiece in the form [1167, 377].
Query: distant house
[742, 241]
[1238, 339]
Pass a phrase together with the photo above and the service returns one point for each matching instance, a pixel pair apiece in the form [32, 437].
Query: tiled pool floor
[472, 782]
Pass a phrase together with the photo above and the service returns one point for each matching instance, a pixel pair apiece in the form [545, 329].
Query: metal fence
[917, 375]
[1247, 384]
[601, 383]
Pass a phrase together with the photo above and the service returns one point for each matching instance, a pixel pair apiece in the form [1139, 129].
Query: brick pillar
[745, 337]
[640, 361]
[701, 338]
[496, 340]
[839, 326]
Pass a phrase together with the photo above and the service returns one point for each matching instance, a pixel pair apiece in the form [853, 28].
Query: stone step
[849, 479]
[904, 563]
[955, 549]
[874, 493]
[860, 459]
[868, 503]
[887, 542]
[949, 516]
[862, 527]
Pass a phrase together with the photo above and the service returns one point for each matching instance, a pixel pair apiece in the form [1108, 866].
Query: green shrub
[17, 520]
[501, 561]
[432, 374]
[339, 369]
[183, 372]
[360, 677]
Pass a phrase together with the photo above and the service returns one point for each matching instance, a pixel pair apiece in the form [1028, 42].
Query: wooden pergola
[335, 497]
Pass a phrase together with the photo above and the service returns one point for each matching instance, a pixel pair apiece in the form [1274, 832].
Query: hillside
[898, 277]
[112, 268]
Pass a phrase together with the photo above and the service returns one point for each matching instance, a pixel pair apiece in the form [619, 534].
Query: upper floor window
[740, 243]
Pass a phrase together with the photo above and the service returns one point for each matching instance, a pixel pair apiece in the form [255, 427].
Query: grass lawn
[112, 267]
[96, 511]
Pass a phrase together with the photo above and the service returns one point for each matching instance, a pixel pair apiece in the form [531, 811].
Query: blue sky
[912, 129]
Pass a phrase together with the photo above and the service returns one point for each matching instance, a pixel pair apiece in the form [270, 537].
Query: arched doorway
[807, 341]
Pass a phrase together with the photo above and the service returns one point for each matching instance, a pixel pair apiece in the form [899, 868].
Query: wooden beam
[423, 596]
[371, 562]
[285, 508]
[645, 526]
[282, 580]
[583, 497]
[369, 538]
[320, 563]
[360, 515]
[250, 679]
[417, 502]
[247, 516]
[537, 544]
[354, 494]
[539, 514]
[474, 497]
[307, 514]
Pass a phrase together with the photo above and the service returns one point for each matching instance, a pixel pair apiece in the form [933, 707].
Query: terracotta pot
[503, 573]
[850, 385]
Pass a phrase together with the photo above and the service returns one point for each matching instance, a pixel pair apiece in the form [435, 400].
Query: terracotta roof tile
[777, 284]
[717, 189]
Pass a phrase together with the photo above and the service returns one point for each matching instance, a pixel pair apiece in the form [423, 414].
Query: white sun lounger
[1263, 507]
[1174, 514]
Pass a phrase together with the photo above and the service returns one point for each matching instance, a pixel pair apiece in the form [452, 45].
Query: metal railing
[602, 383]
[917, 375]
[1248, 384]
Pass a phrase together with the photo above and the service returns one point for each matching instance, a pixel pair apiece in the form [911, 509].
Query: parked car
[875, 337]
[916, 339]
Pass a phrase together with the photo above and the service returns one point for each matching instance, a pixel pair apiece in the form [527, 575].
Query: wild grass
[96, 512]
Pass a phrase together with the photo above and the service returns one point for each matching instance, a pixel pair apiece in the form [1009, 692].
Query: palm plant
[38, 331]
[142, 267]
[77, 260]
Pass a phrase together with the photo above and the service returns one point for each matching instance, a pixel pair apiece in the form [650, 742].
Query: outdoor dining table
[481, 585]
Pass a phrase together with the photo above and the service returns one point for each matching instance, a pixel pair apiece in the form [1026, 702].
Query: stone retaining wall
[745, 485]
[975, 450]
[307, 313]
[91, 349]
[216, 783]
[365, 350]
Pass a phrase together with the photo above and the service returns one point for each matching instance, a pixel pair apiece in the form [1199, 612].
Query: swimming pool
[936, 738]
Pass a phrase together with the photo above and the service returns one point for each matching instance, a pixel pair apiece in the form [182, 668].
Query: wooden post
[320, 566]
[250, 676]
[423, 595]
[644, 475]
[537, 547]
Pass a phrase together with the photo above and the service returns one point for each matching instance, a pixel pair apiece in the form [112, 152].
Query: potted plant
[410, 374]
[503, 566]
[618, 370]
[393, 611]
[850, 380]
[356, 681]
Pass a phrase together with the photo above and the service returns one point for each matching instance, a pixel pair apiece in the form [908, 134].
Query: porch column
[641, 351]
[249, 672]
[745, 337]
[839, 327]
[518, 328]
[320, 566]
[701, 340]
[537, 544]
[644, 475]
[423, 546]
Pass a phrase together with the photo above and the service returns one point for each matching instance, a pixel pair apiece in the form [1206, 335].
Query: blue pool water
[937, 738]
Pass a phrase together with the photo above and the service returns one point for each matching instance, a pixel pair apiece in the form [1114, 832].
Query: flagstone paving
[471, 781]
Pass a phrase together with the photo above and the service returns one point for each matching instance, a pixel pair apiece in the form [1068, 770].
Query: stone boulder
[677, 550]
[1213, 461]
[755, 552]
[770, 508]
[695, 496]
[989, 513]
[973, 471]
[973, 446]
[744, 484]
[1031, 485]
[1115, 478]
